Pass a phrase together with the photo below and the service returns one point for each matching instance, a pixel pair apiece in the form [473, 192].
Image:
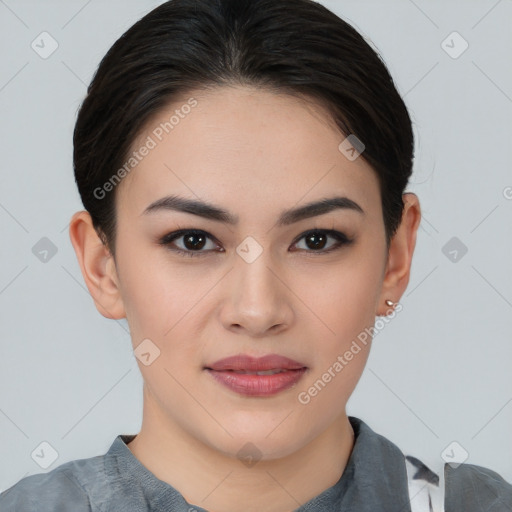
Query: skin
[254, 153]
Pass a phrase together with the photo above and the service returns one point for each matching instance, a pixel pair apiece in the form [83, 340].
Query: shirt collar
[375, 478]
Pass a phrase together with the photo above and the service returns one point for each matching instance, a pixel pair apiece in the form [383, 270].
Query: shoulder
[476, 488]
[65, 488]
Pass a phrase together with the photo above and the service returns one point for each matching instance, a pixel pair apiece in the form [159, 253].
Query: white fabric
[424, 496]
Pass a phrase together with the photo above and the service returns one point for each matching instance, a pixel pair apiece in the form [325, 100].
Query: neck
[219, 482]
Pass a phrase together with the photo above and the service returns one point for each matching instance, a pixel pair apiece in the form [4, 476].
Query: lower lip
[257, 385]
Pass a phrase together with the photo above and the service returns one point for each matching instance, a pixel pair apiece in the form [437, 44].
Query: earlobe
[401, 251]
[97, 266]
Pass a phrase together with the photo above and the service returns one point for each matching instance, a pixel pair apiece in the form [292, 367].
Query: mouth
[264, 376]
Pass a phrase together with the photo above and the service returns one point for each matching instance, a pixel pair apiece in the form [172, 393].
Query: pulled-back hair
[297, 47]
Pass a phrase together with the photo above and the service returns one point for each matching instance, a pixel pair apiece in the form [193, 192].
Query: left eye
[195, 240]
[317, 240]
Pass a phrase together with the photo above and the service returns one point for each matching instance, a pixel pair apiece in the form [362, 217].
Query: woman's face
[255, 286]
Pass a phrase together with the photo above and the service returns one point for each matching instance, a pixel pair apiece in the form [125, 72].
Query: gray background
[438, 372]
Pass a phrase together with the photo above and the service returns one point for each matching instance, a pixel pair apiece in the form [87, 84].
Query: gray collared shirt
[374, 480]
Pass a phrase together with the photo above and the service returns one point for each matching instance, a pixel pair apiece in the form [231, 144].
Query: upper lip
[249, 363]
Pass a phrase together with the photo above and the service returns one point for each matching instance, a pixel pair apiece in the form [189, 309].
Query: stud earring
[390, 304]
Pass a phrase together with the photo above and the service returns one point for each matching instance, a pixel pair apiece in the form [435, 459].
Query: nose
[257, 298]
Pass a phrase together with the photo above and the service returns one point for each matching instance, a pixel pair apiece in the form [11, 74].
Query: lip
[245, 362]
[225, 371]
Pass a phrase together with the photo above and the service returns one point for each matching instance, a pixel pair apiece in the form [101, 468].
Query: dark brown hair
[297, 47]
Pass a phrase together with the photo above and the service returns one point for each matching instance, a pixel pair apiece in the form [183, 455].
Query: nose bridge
[258, 300]
[254, 277]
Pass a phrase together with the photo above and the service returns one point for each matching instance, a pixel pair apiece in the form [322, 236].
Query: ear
[97, 265]
[401, 249]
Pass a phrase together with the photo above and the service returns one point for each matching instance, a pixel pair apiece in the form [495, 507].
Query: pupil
[312, 237]
[189, 241]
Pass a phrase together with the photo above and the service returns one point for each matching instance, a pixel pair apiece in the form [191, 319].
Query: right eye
[192, 240]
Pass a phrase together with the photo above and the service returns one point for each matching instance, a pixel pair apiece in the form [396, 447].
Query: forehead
[243, 146]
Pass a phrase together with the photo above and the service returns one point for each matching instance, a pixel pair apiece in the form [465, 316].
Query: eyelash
[342, 240]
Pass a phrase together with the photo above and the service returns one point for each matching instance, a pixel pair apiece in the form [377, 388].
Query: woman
[242, 164]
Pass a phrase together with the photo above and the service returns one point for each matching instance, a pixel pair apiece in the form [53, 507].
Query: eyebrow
[216, 213]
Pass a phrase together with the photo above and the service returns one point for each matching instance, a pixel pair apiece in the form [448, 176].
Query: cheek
[343, 297]
[152, 293]
[346, 310]
[345, 306]
[161, 301]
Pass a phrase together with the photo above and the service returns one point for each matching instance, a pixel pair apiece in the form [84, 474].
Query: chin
[258, 443]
